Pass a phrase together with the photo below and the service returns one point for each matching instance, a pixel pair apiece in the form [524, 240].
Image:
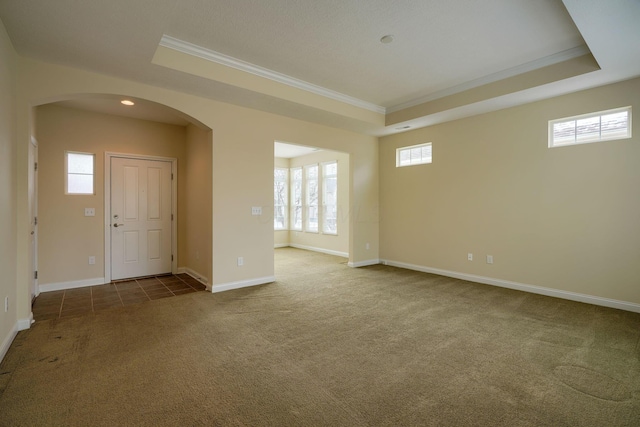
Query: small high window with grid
[414, 155]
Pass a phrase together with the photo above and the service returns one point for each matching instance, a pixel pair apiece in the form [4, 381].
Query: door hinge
[171, 176]
[35, 166]
[35, 274]
[35, 220]
[172, 257]
[171, 217]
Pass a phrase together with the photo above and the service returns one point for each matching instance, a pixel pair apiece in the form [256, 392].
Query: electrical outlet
[470, 256]
[92, 260]
[240, 261]
[367, 246]
[489, 259]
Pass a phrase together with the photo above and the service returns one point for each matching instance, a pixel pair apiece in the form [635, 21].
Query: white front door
[140, 217]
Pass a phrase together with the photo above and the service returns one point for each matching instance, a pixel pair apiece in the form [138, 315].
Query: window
[280, 198]
[296, 199]
[311, 198]
[413, 155]
[330, 197]
[79, 173]
[602, 126]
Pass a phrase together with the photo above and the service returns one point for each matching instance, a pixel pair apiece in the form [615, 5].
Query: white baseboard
[48, 287]
[573, 296]
[280, 245]
[4, 347]
[24, 324]
[321, 250]
[364, 263]
[242, 284]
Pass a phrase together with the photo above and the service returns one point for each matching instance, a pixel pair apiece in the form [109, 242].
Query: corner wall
[564, 219]
[8, 287]
[194, 216]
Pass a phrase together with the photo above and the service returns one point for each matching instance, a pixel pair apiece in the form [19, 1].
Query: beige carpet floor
[328, 345]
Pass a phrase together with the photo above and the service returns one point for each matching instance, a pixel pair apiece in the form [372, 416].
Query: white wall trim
[321, 250]
[242, 284]
[364, 263]
[557, 293]
[4, 348]
[281, 245]
[24, 324]
[48, 287]
[228, 61]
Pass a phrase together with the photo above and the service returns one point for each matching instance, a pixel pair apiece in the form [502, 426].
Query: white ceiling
[440, 47]
[289, 151]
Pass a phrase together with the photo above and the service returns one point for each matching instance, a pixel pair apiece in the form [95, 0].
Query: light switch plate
[256, 210]
[89, 211]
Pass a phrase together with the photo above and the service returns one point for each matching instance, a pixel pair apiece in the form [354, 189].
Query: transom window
[594, 127]
[414, 155]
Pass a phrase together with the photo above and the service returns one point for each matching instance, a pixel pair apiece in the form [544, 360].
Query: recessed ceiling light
[386, 39]
[127, 102]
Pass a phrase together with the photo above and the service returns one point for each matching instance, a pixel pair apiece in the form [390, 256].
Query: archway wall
[242, 159]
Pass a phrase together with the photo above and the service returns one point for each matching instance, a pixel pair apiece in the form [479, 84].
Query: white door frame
[107, 208]
[34, 289]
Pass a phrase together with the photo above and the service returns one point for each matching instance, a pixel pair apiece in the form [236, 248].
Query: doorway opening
[311, 199]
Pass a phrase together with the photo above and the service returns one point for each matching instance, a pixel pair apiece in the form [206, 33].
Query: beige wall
[66, 237]
[9, 319]
[242, 167]
[338, 244]
[195, 213]
[564, 218]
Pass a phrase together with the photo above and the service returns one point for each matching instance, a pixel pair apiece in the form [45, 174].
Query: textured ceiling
[440, 47]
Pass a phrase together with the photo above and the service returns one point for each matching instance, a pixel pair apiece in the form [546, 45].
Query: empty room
[306, 213]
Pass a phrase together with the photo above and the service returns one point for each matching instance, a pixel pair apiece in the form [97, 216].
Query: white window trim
[66, 173]
[552, 144]
[292, 206]
[306, 204]
[286, 205]
[401, 149]
[323, 184]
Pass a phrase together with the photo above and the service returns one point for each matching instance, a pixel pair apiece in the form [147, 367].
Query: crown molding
[219, 58]
[556, 58]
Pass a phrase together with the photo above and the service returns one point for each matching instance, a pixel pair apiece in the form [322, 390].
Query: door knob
[118, 225]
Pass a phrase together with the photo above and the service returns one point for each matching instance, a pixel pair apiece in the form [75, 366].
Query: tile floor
[79, 301]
